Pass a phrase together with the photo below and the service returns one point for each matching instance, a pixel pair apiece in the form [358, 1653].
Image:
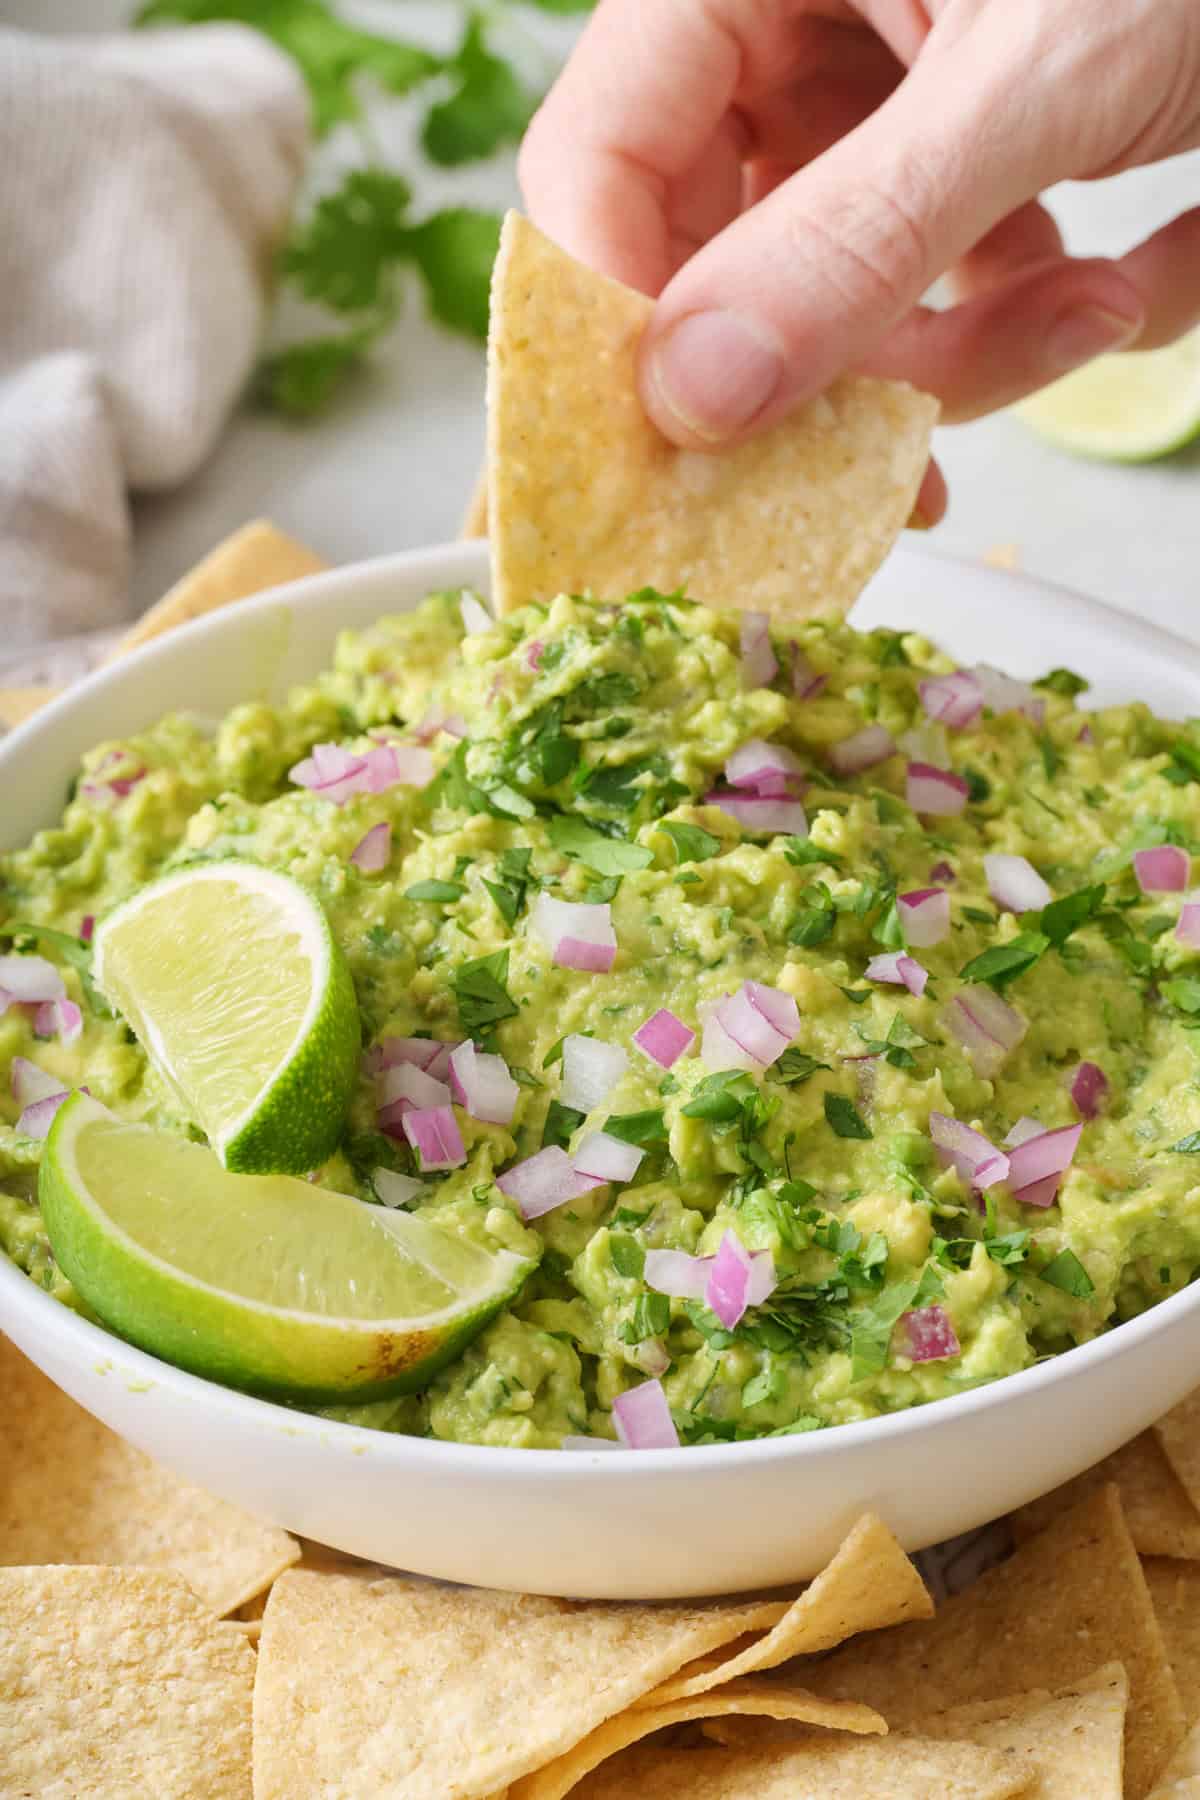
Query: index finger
[637, 104]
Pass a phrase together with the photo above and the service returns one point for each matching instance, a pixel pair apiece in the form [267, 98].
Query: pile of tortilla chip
[154, 1640]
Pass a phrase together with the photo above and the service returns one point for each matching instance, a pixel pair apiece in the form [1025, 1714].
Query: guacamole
[792, 822]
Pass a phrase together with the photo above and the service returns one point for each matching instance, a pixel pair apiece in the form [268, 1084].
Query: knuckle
[878, 248]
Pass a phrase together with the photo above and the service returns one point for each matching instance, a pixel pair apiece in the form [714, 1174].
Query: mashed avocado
[582, 742]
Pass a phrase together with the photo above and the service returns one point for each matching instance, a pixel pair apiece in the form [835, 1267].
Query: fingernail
[715, 371]
[919, 521]
[1079, 336]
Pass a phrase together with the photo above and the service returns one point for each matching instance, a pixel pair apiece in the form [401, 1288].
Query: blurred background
[363, 432]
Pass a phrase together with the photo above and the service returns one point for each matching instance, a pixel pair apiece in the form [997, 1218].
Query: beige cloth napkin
[146, 180]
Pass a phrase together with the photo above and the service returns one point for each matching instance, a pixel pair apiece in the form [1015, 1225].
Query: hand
[788, 177]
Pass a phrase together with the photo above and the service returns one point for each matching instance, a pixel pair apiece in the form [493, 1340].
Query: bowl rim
[95, 1344]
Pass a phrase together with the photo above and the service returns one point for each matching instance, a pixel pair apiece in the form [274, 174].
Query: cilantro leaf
[561, 1121]
[871, 1328]
[302, 380]
[794, 1066]
[71, 950]
[692, 843]
[1051, 760]
[650, 1318]
[1004, 962]
[1063, 681]
[508, 892]
[435, 890]
[1062, 917]
[488, 107]
[454, 249]
[606, 855]
[345, 255]
[844, 1118]
[720, 1097]
[627, 1256]
[1189, 1145]
[816, 919]
[479, 988]
[1183, 992]
[1065, 1271]
[800, 851]
[637, 1128]
[1185, 763]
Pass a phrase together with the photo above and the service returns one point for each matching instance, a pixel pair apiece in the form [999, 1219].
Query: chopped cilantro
[979, 788]
[444, 891]
[1062, 917]
[1064, 682]
[805, 1422]
[889, 650]
[856, 996]
[627, 1256]
[721, 1096]
[843, 1117]
[561, 1121]
[794, 1066]
[767, 1385]
[978, 915]
[1184, 765]
[599, 692]
[632, 1215]
[637, 1128]
[800, 851]
[479, 988]
[1189, 1145]
[650, 1318]
[1051, 760]
[816, 919]
[595, 849]
[523, 1077]
[1183, 992]
[72, 950]
[1004, 962]
[1065, 1271]
[871, 1328]
[508, 891]
[692, 843]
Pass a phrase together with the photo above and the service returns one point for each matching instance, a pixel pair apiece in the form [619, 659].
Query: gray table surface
[393, 467]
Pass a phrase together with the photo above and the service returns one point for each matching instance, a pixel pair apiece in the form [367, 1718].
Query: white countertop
[394, 465]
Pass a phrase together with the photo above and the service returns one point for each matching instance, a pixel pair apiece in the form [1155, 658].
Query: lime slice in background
[1128, 407]
[260, 1281]
[230, 977]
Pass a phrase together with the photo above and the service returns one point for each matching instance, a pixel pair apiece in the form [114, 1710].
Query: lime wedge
[229, 976]
[1128, 407]
[260, 1281]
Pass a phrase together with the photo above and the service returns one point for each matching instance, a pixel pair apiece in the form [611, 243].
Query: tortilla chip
[257, 557]
[1186, 1788]
[448, 1693]
[1070, 1743]
[1070, 1600]
[72, 1491]
[1175, 1592]
[119, 1682]
[1182, 1773]
[869, 1584]
[1178, 1433]
[585, 495]
[824, 1768]
[19, 704]
[1162, 1520]
[768, 1699]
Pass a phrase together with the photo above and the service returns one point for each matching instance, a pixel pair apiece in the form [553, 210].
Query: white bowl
[656, 1523]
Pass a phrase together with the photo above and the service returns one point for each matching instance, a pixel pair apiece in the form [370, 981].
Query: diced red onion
[453, 724]
[937, 792]
[589, 1443]
[676, 1273]
[434, 1135]
[975, 1157]
[643, 1419]
[924, 916]
[1001, 693]
[942, 871]
[533, 654]
[606, 1158]
[1024, 1129]
[29, 1082]
[764, 768]
[806, 683]
[475, 616]
[926, 1335]
[394, 1189]
[577, 935]
[332, 772]
[58, 1018]
[430, 1054]
[413, 1085]
[1188, 929]
[902, 970]
[1049, 1153]
[392, 765]
[954, 700]
[544, 1181]
[1015, 884]
[664, 1038]
[591, 1069]
[87, 926]
[30, 979]
[105, 790]
[759, 665]
[1088, 1088]
[763, 1278]
[651, 1356]
[483, 1085]
[373, 852]
[761, 814]
[988, 1028]
[1039, 1193]
[762, 1021]
[38, 1116]
[1164, 870]
[717, 1049]
[867, 747]
[727, 1292]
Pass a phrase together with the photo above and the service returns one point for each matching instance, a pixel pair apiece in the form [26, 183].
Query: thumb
[807, 282]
